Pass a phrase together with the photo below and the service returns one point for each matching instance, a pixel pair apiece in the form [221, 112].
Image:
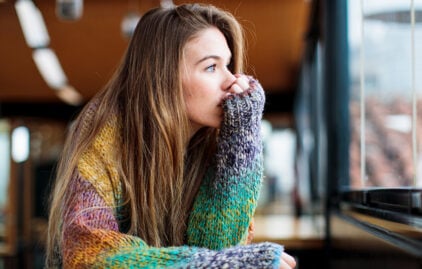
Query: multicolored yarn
[228, 196]
[219, 219]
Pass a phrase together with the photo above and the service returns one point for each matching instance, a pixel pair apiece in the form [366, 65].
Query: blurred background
[341, 124]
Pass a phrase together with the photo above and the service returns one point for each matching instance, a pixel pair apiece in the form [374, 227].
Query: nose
[229, 80]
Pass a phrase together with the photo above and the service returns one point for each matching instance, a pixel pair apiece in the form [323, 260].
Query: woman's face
[206, 78]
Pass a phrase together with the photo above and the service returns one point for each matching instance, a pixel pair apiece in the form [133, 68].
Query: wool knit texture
[218, 222]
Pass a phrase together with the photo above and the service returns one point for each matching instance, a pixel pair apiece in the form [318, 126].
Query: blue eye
[211, 68]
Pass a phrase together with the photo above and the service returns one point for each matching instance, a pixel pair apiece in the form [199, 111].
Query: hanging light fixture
[131, 19]
[129, 23]
[32, 24]
[166, 3]
[36, 36]
[69, 9]
[49, 67]
[69, 95]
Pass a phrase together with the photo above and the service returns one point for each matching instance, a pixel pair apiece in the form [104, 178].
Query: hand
[251, 231]
[287, 261]
[240, 85]
[245, 100]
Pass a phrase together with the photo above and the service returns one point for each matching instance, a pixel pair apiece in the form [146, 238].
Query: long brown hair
[159, 172]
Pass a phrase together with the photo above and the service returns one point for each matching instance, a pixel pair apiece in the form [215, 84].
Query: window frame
[365, 208]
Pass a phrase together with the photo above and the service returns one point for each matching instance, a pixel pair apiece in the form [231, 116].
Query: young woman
[164, 166]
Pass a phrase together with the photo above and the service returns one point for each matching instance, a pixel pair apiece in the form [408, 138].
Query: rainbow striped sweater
[218, 221]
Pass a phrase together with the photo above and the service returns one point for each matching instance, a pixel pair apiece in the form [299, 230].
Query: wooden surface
[293, 233]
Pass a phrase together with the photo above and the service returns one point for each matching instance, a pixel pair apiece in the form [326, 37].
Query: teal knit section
[149, 257]
[221, 214]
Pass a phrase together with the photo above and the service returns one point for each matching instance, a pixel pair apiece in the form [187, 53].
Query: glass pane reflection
[382, 60]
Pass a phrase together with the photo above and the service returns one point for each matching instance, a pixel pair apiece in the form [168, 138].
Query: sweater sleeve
[91, 239]
[228, 195]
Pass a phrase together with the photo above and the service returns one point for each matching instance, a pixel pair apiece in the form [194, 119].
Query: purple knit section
[85, 206]
[239, 141]
[263, 255]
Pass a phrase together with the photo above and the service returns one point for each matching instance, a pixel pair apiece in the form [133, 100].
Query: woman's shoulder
[98, 163]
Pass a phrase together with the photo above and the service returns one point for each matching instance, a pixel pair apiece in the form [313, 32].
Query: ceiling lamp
[36, 36]
[69, 9]
[32, 24]
[49, 66]
[131, 19]
[69, 95]
[129, 23]
[166, 3]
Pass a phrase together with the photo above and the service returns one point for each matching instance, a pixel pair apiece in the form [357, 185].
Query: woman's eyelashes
[211, 68]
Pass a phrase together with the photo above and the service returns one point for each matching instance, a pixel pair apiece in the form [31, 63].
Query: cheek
[187, 93]
[198, 93]
[190, 102]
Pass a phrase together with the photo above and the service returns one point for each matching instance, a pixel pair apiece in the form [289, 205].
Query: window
[385, 100]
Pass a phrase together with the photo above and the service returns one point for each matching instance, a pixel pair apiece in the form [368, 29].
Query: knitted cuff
[239, 141]
[263, 255]
[245, 109]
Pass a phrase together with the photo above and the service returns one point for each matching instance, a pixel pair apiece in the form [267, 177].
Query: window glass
[386, 120]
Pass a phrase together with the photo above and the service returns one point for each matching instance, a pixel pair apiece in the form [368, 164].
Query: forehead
[209, 41]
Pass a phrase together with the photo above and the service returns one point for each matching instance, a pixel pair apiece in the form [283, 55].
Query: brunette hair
[159, 174]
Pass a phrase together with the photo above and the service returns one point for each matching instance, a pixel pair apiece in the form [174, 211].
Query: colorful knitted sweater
[219, 219]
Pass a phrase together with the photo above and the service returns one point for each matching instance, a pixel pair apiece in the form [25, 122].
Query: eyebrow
[216, 57]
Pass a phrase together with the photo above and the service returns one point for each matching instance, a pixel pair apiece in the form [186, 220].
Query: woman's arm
[91, 239]
[91, 236]
[228, 195]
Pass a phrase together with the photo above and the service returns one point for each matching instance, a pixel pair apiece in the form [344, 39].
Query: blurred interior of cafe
[341, 128]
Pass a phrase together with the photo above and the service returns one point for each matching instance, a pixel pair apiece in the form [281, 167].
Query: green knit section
[221, 214]
[149, 257]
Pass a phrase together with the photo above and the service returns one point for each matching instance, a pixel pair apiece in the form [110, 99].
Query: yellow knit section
[110, 241]
[97, 164]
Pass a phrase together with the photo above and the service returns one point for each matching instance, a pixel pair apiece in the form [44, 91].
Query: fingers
[243, 82]
[287, 261]
[240, 85]
[235, 89]
[284, 265]
[251, 230]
